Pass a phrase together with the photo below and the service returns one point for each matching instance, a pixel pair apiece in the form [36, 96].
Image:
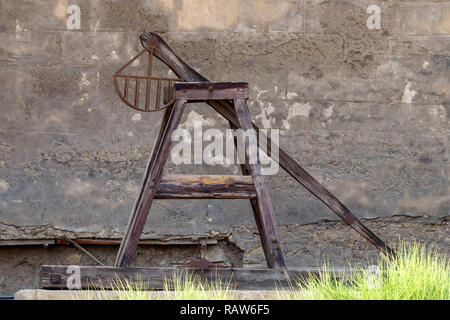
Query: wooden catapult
[153, 93]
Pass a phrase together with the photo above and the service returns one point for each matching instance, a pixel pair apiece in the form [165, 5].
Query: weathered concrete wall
[367, 112]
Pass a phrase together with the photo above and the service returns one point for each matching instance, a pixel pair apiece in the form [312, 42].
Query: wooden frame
[198, 186]
[250, 186]
[152, 41]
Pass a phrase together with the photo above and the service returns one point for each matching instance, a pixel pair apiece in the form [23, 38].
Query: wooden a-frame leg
[162, 128]
[245, 170]
[151, 180]
[266, 221]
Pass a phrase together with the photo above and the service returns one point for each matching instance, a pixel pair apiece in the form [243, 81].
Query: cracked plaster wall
[366, 112]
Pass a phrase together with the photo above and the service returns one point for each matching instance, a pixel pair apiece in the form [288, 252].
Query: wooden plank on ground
[57, 277]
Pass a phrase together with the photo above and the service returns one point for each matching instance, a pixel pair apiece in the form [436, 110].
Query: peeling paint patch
[114, 55]
[443, 112]
[84, 82]
[3, 205]
[356, 192]
[389, 68]
[215, 15]
[408, 94]
[285, 124]
[78, 187]
[97, 25]
[131, 187]
[55, 119]
[438, 112]
[18, 27]
[266, 121]
[328, 112]
[136, 117]
[60, 9]
[270, 108]
[259, 92]
[197, 117]
[83, 99]
[429, 204]
[4, 186]
[444, 26]
[301, 109]
[292, 95]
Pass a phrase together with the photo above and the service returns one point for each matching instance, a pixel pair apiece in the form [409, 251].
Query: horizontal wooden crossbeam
[211, 90]
[57, 277]
[191, 186]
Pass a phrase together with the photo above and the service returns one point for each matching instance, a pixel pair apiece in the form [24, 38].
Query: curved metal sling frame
[156, 46]
[135, 104]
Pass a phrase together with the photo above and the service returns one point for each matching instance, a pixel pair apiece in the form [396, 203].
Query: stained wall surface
[365, 111]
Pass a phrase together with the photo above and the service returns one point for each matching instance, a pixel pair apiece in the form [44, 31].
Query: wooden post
[152, 177]
[268, 229]
[245, 169]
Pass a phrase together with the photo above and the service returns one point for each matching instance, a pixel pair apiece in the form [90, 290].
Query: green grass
[180, 286]
[416, 274]
[191, 287]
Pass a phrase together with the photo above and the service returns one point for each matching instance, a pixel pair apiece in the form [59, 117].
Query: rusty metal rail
[135, 103]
